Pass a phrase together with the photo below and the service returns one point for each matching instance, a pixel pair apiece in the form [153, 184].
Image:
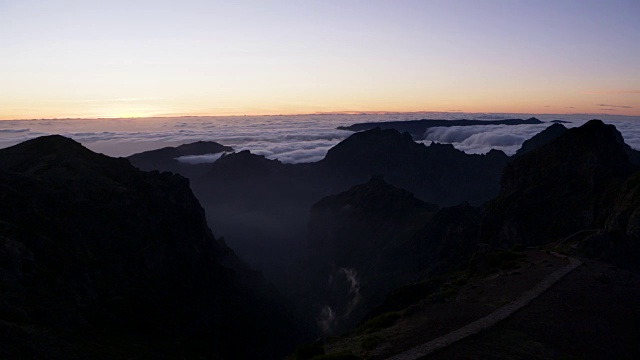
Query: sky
[138, 58]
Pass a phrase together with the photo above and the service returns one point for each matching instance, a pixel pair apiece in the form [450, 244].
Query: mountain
[165, 159]
[418, 128]
[101, 260]
[541, 138]
[563, 187]
[437, 173]
[359, 225]
[372, 238]
[577, 193]
[262, 206]
[576, 186]
[618, 240]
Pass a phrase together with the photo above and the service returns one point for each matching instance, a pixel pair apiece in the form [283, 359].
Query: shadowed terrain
[576, 193]
[101, 260]
[261, 206]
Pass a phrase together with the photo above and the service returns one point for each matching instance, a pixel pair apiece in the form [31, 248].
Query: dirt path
[491, 319]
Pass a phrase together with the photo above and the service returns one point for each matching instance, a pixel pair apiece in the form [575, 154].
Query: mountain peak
[541, 138]
[50, 144]
[376, 195]
[53, 153]
[579, 167]
[375, 145]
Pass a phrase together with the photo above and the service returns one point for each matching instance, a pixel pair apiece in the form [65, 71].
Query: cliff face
[93, 250]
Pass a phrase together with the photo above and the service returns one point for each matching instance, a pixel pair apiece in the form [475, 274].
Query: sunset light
[119, 58]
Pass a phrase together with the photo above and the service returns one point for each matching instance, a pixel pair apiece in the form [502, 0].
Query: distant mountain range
[418, 128]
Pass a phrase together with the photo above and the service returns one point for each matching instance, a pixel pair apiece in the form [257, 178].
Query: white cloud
[482, 138]
[199, 159]
[291, 139]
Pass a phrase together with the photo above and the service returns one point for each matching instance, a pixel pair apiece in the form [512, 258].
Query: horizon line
[348, 112]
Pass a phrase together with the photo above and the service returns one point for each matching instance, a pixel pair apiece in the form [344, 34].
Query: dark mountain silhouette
[101, 260]
[556, 130]
[560, 188]
[437, 173]
[372, 238]
[262, 205]
[359, 224]
[580, 188]
[165, 159]
[417, 128]
[618, 240]
[541, 138]
[577, 193]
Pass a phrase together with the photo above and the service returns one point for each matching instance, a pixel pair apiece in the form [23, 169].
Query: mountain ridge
[93, 248]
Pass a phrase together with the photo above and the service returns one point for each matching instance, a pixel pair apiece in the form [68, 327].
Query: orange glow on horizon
[256, 103]
[128, 113]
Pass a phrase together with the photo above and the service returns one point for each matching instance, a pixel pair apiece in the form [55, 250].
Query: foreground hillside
[101, 260]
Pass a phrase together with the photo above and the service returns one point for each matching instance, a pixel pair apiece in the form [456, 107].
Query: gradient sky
[116, 58]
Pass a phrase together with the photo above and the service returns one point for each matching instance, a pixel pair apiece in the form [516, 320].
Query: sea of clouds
[290, 138]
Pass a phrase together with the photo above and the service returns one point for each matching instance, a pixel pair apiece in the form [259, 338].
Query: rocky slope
[98, 259]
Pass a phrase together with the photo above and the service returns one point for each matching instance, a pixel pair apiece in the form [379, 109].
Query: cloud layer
[291, 139]
[199, 159]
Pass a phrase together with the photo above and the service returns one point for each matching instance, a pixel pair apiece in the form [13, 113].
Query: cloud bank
[199, 159]
[291, 139]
